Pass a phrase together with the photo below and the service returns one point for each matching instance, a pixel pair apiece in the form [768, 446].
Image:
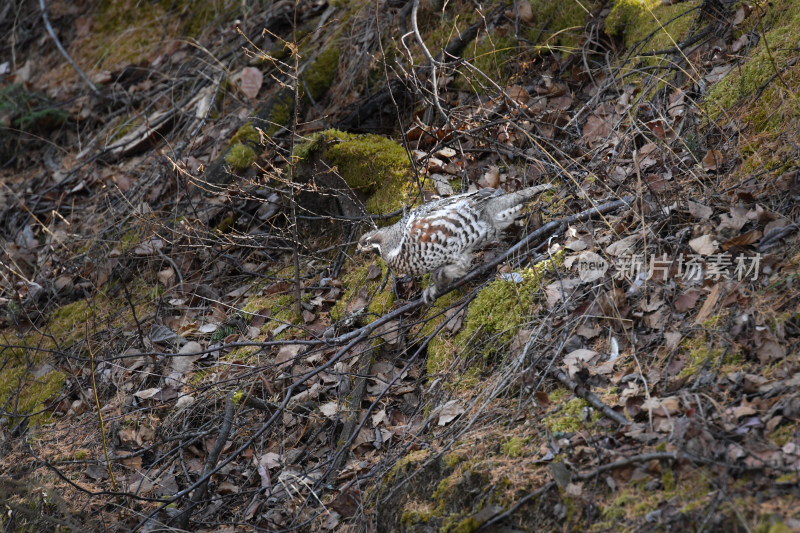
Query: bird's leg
[395, 281]
[429, 294]
[437, 282]
[444, 275]
[386, 280]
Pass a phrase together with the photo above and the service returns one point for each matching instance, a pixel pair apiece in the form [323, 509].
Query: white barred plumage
[441, 236]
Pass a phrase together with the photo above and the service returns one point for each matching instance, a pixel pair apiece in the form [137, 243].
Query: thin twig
[211, 461]
[63, 51]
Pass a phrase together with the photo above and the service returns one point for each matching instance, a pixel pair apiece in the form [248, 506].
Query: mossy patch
[279, 308]
[404, 465]
[358, 287]
[688, 490]
[320, 74]
[247, 134]
[23, 393]
[370, 164]
[698, 352]
[558, 24]
[757, 76]
[635, 20]
[27, 111]
[568, 419]
[494, 56]
[240, 156]
[515, 446]
[278, 113]
[495, 316]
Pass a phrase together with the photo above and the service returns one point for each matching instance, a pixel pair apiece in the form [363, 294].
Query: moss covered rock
[777, 102]
[496, 315]
[240, 156]
[375, 167]
[320, 74]
[635, 20]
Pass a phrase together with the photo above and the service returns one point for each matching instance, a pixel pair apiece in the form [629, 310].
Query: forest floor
[189, 341]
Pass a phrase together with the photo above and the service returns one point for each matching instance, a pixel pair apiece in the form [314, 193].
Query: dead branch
[200, 492]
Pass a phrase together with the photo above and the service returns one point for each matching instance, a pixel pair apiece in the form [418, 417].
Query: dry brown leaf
[735, 221]
[183, 362]
[518, 93]
[556, 292]
[595, 130]
[578, 359]
[286, 355]
[699, 211]
[744, 239]
[491, 178]
[704, 245]
[712, 160]
[165, 276]
[708, 305]
[622, 247]
[252, 79]
[662, 406]
[525, 12]
[686, 301]
[449, 412]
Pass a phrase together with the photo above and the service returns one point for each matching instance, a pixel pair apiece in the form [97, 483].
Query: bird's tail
[504, 209]
[507, 201]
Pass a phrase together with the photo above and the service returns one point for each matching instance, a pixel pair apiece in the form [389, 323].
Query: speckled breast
[441, 238]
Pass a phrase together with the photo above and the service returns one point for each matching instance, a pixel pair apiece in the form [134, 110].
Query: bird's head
[370, 242]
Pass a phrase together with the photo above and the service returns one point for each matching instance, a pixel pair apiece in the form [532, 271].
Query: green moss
[237, 397]
[247, 134]
[633, 20]
[370, 164]
[618, 508]
[467, 525]
[441, 348]
[559, 24]
[379, 302]
[197, 15]
[280, 308]
[402, 466]
[315, 143]
[782, 435]
[780, 527]
[452, 459]
[80, 455]
[124, 32]
[320, 74]
[240, 156]
[443, 32]
[67, 322]
[775, 107]
[495, 56]
[28, 110]
[668, 479]
[568, 419]
[280, 115]
[698, 354]
[413, 518]
[22, 393]
[503, 306]
[495, 315]
[515, 446]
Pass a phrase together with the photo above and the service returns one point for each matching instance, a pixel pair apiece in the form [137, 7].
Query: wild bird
[441, 236]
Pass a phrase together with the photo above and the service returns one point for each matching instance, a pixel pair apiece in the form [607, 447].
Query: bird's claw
[429, 295]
